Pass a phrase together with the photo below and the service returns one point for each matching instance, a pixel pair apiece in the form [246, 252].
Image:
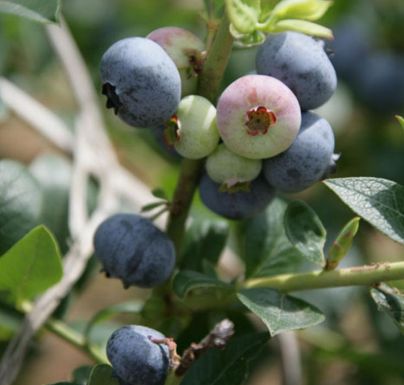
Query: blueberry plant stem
[366, 275]
[75, 338]
[209, 83]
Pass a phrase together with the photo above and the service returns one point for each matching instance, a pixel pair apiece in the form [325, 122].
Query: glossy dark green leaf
[53, 174]
[390, 301]
[205, 241]
[229, 366]
[31, 266]
[20, 203]
[82, 374]
[280, 312]
[102, 375]
[378, 201]
[42, 11]
[265, 248]
[305, 231]
[186, 281]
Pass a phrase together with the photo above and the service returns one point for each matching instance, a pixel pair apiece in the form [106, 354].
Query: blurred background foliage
[356, 345]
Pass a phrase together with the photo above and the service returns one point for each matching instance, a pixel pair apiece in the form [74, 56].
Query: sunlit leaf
[280, 312]
[31, 266]
[378, 201]
[302, 26]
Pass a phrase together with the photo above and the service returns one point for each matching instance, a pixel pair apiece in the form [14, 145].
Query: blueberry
[185, 49]
[236, 205]
[380, 82]
[224, 166]
[350, 46]
[196, 129]
[135, 358]
[141, 82]
[133, 249]
[307, 160]
[258, 116]
[301, 63]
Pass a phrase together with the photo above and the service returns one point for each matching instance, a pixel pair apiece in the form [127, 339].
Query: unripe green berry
[225, 167]
[196, 130]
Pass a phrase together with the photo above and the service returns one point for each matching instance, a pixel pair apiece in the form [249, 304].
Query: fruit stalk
[366, 275]
[209, 82]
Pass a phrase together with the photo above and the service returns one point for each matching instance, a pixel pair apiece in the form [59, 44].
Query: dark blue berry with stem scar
[301, 63]
[141, 82]
[133, 249]
[138, 356]
[244, 203]
[309, 159]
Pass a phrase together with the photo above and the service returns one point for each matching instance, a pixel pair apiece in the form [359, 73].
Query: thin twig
[93, 155]
[38, 116]
[290, 359]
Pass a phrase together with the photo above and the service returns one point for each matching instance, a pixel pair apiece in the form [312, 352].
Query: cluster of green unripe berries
[260, 136]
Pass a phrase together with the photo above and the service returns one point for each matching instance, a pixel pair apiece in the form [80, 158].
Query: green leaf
[378, 201]
[280, 312]
[159, 193]
[301, 9]
[342, 244]
[265, 248]
[152, 206]
[247, 40]
[302, 26]
[186, 281]
[31, 266]
[305, 231]
[20, 203]
[400, 120]
[42, 11]
[390, 301]
[229, 366]
[205, 241]
[82, 374]
[243, 14]
[10, 321]
[102, 375]
[111, 311]
[53, 174]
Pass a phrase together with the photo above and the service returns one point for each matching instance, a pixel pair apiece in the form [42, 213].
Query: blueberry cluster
[375, 75]
[260, 137]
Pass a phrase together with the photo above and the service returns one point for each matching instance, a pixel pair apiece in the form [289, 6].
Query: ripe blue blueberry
[239, 204]
[301, 63]
[350, 46]
[133, 249]
[307, 160]
[135, 358]
[380, 82]
[141, 82]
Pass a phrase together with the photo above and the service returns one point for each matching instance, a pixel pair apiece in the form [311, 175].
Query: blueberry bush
[206, 190]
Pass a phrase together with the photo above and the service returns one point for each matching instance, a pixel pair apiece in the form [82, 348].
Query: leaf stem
[209, 83]
[366, 275]
[75, 338]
